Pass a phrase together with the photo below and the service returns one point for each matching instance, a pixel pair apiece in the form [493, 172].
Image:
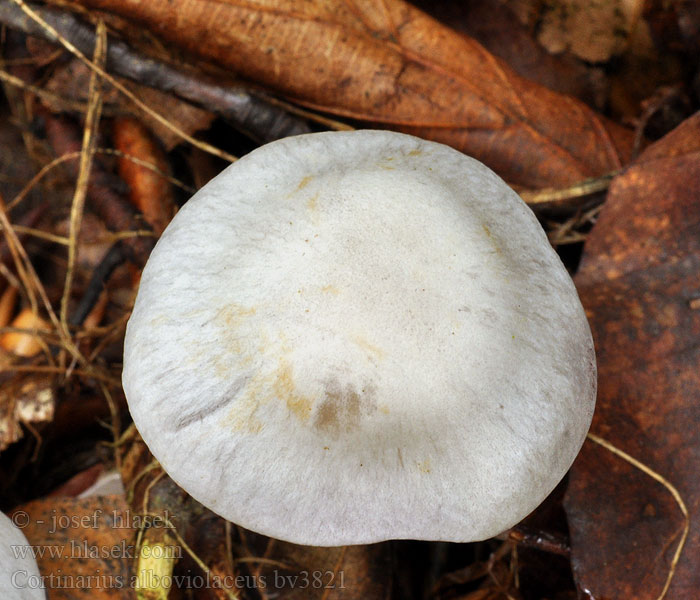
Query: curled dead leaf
[390, 64]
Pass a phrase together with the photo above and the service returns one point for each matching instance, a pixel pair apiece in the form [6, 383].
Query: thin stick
[333, 124]
[119, 86]
[115, 256]
[539, 198]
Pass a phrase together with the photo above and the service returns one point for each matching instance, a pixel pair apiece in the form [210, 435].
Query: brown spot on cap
[342, 408]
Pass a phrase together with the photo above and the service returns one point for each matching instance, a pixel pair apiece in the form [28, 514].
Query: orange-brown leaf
[83, 546]
[24, 343]
[388, 63]
[638, 280]
[149, 191]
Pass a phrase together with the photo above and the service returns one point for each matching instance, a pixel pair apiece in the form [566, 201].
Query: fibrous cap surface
[350, 337]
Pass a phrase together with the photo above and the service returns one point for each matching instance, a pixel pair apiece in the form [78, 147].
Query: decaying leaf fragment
[639, 284]
[24, 398]
[84, 546]
[389, 64]
[594, 31]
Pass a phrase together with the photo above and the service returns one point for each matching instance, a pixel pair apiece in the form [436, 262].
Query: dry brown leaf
[83, 546]
[495, 25]
[388, 63]
[593, 31]
[638, 282]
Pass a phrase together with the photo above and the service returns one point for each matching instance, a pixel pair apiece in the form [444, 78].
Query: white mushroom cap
[19, 573]
[358, 336]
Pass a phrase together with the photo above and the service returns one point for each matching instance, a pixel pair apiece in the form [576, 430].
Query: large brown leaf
[639, 283]
[83, 546]
[388, 63]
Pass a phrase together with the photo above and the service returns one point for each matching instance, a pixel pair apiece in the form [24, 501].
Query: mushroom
[350, 337]
[19, 573]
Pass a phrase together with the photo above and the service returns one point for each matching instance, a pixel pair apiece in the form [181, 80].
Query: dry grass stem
[92, 121]
[553, 197]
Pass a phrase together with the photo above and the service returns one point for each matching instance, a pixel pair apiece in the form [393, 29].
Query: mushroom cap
[358, 336]
[19, 573]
